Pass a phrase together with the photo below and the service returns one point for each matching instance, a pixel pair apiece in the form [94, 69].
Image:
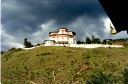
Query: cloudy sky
[34, 19]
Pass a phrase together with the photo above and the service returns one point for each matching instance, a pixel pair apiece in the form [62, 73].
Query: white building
[63, 36]
[49, 42]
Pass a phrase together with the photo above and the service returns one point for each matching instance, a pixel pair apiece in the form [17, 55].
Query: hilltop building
[63, 36]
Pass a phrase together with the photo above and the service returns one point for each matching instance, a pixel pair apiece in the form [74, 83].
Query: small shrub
[46, 53]
[98, 77]
[125, 44]
[2, 52]
[12, 49]
[110, 42]
[125, 76]
[38, 44]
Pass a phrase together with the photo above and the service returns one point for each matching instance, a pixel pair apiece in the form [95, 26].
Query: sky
[34, 19]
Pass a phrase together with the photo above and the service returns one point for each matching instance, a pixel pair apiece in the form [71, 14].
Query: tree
[88, 40]
[95, 40]
[110, 42]
[78, 42]
[27, 44]
[104, 41]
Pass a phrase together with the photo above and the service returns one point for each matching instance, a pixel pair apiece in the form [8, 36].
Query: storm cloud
[34, 19]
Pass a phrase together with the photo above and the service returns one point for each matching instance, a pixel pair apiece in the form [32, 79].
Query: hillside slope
[65, 65]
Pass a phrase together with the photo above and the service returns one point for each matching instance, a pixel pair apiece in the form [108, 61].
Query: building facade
[63, 36]
[49, 42]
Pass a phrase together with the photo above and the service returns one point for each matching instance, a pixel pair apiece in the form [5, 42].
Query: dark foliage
[88, 40]
[27, 44]
[104, 42]
[125, 76]
[98, 77]
[80, 42]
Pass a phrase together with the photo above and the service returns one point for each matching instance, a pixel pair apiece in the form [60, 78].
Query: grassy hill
[65, 65]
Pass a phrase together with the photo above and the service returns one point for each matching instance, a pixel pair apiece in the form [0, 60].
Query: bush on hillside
[125, 44]
[99, 77]
[2, 52]
[15, 49]
[110, 42]
[38, 44]
[125, 76]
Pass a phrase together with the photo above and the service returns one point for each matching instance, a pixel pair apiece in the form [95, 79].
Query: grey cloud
[86, 26]
[33, 13]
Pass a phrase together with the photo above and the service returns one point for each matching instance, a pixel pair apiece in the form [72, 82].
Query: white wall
[70, 40]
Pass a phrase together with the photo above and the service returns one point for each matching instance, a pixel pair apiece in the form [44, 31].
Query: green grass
[65, 65]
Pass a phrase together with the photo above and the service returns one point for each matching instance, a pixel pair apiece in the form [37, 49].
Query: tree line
[93, 40]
